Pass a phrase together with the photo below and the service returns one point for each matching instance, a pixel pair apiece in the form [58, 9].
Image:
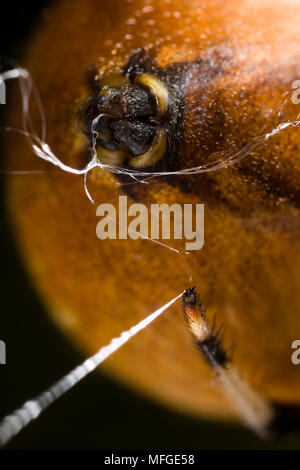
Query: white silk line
[43, 151]
[20, 418]
[14, 73]
[144, 237]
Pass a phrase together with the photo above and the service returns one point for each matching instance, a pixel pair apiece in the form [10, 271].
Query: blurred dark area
[98, 413]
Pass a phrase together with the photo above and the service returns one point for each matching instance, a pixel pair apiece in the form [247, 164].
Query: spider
[171, 102]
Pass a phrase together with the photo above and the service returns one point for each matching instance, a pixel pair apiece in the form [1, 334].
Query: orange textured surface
[249, 268]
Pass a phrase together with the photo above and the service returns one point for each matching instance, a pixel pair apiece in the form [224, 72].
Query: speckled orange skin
[249, 268]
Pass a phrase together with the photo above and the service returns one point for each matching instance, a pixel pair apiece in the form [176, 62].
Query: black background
[98, 413]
